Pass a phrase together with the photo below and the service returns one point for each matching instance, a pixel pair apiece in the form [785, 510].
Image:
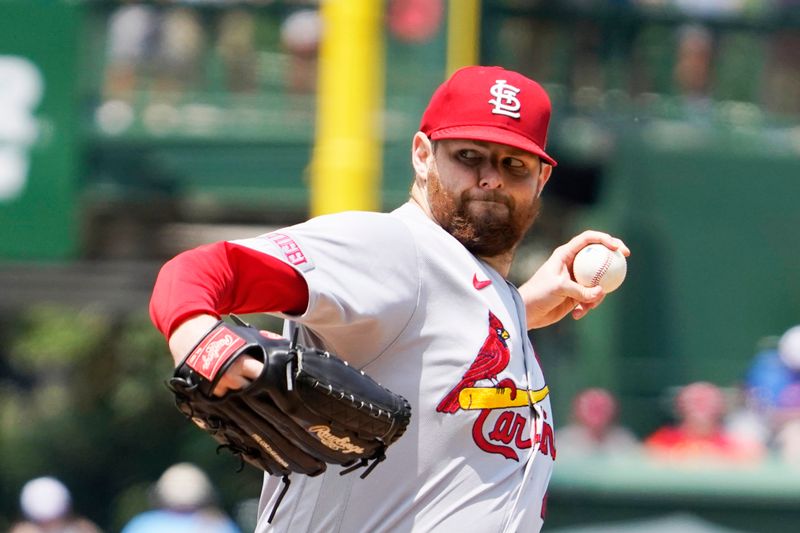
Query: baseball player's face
[485, 194]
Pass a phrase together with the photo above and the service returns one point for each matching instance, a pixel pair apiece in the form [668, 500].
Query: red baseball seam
[602, 270]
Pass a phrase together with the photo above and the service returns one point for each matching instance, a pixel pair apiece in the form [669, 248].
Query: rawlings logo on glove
[214, 350]
[333, 442]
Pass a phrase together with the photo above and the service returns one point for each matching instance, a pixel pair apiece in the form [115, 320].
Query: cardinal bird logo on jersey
[499, 428]
[492, 358]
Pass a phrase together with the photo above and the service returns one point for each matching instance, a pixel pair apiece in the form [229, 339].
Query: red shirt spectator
[700, 433]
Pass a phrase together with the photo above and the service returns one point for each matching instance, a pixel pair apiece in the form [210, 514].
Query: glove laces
[286, 482]
[379, 456]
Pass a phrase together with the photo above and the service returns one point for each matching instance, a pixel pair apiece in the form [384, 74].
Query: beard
[487, 223]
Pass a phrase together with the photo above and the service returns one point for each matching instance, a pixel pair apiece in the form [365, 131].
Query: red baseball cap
[490, 104]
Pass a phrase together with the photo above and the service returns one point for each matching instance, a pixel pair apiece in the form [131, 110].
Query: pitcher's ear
[544, 175]
[421, 155]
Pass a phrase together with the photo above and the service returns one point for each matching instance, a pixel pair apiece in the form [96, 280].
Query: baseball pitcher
[405, 394]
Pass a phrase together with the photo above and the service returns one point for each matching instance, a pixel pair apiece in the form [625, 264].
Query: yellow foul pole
[463, 34]
[346, 164]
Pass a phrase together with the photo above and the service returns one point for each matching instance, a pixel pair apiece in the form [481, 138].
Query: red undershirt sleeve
[223, 278]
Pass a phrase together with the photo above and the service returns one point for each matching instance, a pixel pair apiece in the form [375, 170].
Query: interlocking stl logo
[505, 99]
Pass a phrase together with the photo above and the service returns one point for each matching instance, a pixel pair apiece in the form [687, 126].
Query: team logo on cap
[505, 99]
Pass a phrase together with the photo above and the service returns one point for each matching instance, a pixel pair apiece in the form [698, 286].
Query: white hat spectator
[184, 487]
[45, 499]
[789, 348]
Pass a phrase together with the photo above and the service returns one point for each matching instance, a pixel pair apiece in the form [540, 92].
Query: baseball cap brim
[494, 134]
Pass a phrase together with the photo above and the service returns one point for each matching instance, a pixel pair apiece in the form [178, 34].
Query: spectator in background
[593, 428]
[693, 70]
[772, 383]
[131, 45]
[47, 506]
[414, 21]
[179, 58]
[185, 502]
[236, 46]
[781, 79]
[699, 433]
[745, 421]
[694, 62]
[786, 415]
[301, 33]
[162, 45]
[789, 354]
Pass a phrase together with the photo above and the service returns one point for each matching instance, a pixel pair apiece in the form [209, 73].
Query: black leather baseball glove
[308, 408]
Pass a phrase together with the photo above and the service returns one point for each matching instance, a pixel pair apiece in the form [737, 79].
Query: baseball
[598, 265]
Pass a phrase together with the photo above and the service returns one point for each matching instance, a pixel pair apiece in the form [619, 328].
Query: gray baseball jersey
[399, 297]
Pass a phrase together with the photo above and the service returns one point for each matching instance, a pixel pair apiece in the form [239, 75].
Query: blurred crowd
[216, 54]
[176, 45]
[169, 47]
[46, 505]
[746, 422]
[724, 50]
[709, 53]
[183, 500]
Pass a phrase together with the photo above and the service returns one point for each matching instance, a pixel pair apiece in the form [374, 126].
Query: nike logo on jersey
[480, 283]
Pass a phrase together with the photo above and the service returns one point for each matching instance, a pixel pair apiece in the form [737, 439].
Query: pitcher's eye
[469, 156]
[514, 163]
